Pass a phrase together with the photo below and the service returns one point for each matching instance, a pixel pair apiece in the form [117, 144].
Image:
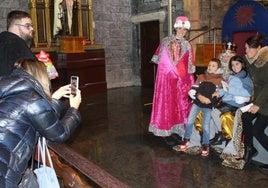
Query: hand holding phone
[75, 101]
[74, 85]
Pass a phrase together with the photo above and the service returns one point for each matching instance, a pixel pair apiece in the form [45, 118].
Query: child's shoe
[182, 147]
[205, 151]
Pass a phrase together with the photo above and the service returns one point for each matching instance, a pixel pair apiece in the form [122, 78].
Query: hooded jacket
[25, 114]
[12, 47]
[240, 85]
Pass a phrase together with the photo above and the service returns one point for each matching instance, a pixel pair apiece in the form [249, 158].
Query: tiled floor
[114, 135]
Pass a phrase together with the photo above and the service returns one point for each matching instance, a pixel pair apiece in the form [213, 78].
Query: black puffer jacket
[26, 112]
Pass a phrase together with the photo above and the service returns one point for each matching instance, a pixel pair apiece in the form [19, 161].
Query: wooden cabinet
[204, 52]
[89, 66]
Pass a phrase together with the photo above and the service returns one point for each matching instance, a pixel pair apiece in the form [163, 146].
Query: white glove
[241, 100]
[192, 93]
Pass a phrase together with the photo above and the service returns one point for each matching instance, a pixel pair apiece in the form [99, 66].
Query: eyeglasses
[27, 25]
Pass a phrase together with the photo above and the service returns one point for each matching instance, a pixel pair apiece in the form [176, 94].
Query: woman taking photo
[29, 110]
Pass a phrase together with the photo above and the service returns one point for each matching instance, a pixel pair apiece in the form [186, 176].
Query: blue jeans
[206, 115]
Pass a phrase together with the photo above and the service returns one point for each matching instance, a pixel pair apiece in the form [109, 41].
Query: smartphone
[74, 84]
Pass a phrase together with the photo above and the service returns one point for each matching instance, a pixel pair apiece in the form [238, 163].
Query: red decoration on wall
[244, 18]
[244, 15]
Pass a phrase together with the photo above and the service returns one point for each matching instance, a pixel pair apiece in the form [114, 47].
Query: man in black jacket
[14, 41]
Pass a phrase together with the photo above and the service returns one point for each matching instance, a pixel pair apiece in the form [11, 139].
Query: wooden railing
[214, 29]
[95, 175]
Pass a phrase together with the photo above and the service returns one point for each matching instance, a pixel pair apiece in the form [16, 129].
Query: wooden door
[149, 35]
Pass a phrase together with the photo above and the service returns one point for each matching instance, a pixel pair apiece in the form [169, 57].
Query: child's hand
[203, 99]
[192, 93]
[254, 109]
[215, 94]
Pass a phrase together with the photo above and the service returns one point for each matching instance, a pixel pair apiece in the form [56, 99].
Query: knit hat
[183, 22]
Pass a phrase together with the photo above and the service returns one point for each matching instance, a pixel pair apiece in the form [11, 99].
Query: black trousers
[255, 129]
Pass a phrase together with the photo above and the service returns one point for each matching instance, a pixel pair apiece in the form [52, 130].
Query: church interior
[109, 45]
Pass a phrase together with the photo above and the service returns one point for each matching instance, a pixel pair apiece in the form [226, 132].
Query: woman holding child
[254, 121]
[258, 68]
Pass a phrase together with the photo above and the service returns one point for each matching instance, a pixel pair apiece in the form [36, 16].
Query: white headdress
[183, 22]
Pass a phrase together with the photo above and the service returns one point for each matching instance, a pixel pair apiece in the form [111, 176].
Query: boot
[219, 140]
[169, 141]
[216, 137]
[177, 139]
[250, 152]
[227, 141]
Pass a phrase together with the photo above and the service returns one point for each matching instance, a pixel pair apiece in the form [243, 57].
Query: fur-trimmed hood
[262, 57]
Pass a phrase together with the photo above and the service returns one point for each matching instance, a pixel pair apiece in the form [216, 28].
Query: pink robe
[171, 103]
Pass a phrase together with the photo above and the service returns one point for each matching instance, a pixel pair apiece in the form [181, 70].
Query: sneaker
[182, 147]
[205, 151]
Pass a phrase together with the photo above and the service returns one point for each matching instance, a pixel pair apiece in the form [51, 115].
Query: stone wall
[8, 5]
[113, 30]
[211, 15]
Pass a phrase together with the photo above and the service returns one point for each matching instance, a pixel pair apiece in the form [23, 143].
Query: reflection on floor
[114, 135]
